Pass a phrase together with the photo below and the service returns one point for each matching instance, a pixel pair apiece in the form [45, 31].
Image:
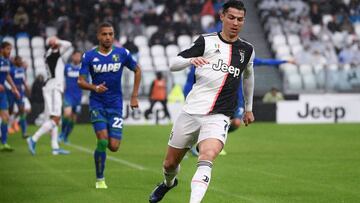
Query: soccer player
[4, 75]
[52, 91]
[105, 64]
[221, 59]
[18, 75]
[72, 96]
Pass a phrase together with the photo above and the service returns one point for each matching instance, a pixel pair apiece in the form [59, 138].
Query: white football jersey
[216, 84]
[55, 66]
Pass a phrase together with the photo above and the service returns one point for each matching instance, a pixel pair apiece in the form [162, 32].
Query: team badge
[242, 56]
[115, 57]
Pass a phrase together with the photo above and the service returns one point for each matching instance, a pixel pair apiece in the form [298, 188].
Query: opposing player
[52, 91]
[4, 75]
[18, 75]
[72, 96]
[220, 59]
[105, 64]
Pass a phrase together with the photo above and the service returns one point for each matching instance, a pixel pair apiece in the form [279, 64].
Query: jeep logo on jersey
[107, 67]
[225, 68]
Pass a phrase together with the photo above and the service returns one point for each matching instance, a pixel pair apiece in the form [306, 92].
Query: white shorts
[189, 129]
[53, 102]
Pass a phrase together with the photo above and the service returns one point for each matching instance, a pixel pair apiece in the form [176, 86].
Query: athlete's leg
[209, 149]
[166, 111]
[65, 122]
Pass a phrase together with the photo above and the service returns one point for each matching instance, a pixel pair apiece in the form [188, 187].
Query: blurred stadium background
[276, 163]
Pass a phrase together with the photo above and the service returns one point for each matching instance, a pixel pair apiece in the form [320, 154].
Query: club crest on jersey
[242, 56]
[221, 66]
[115, 57]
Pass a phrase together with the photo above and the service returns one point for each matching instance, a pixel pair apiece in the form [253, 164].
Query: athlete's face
[5, 52]
[106, 36]
[233, 21]
[76, 58]
[18, 61]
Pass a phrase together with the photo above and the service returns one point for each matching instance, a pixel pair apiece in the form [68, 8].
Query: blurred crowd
[77, 20]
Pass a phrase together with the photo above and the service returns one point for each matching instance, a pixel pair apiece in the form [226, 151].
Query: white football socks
[200, 181]
[170, 175]
[45, 127]
[54, 138]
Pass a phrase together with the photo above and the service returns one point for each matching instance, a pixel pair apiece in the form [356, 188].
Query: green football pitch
[266, 162]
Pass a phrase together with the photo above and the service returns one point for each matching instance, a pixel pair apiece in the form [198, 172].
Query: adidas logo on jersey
[226, 69]
[95, 60]
[107, 67]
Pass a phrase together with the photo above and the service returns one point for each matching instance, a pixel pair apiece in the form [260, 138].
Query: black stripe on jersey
[51, 61]
[227, 99]
[196, 50]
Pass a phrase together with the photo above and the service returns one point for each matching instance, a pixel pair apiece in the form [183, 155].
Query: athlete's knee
[56, 119]
[170, 164]
[113, 147]
[102, 145]
[208, 154]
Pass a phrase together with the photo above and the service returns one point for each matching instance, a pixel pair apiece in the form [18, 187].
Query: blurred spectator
[134, 50]
[158, 94]
[273, 96]
[315, 14]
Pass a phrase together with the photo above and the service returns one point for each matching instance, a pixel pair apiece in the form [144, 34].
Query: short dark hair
[234, 4]
[104, 24]
[5, 44]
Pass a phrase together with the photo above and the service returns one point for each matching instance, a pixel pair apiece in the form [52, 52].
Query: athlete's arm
[193, 55]
[14, 90]
[83, 84]
[248, 88]
[134, 96]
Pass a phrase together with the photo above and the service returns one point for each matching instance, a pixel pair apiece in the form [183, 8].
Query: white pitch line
[112, 158]
[139, 167]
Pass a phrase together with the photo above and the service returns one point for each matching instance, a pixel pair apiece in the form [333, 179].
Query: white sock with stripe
[45, 127]
[200, 181]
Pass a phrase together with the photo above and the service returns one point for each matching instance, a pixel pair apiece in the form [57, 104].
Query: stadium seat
[140, 40]
[179, 77]
[184, 41]
[294, 82]
[305, 69]
[326, 19]
[283, 51]
[144, 50]
[357, 28]
[318, 68]
[157, 50]
[172, 50]
[295, 49]
[164, 68]
[9, 39]
[320, 78]
[279, 39]
[28, 61]
[333, 67]
[147, 78]
[150, 30]
[24, 52]
[38, 52]
[39, 62]
[206, 20]
[50, 31]
[37, 42]
[288, 68]
[146, 63]
[309, 81]
[293, 39]
[159, 61]
[23, 42]
[122, 39]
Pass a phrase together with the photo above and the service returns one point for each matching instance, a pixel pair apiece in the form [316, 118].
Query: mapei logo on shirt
[106, 67]
[221, 66]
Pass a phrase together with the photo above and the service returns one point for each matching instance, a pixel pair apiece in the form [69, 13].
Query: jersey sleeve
[196, 50]
[85, 63]
[129, 60]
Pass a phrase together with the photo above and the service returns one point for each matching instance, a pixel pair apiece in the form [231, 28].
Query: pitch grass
[265, 163]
